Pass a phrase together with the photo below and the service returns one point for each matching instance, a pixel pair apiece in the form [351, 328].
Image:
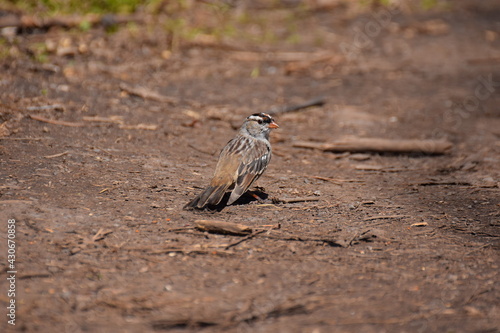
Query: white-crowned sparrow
[241, 162]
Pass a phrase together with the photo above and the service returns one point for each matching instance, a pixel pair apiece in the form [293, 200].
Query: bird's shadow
[257, 194]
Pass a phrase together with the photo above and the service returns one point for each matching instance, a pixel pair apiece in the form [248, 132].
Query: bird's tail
[211, 196]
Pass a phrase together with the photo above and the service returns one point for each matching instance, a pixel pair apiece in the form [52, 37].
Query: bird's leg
[258, 193]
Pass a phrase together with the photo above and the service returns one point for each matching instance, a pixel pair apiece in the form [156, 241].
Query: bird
[241, 162]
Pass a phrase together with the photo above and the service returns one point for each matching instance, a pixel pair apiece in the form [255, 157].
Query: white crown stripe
[255, 118]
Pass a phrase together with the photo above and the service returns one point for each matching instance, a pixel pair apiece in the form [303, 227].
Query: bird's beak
[273, 125]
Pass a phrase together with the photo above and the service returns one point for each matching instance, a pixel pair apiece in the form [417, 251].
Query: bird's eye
[259, 121]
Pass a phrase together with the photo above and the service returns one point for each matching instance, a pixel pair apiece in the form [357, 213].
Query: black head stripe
[261, 117]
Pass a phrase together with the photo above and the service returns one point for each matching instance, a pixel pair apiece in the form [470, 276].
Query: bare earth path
[96, 176]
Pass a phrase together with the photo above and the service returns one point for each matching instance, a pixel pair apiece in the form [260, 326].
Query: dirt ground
[96, 176]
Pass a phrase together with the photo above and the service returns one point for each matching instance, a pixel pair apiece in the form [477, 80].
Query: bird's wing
[226, 171]
[253, 163]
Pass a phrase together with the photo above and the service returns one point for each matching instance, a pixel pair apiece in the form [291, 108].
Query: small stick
[101, 234]
[149, 127]
[294, 200]
[336, 180]
[55, 122]
[272, 226]
[112, 119]
[317, 101]
[57, 107]
[186, 250]
[34, 275]
[14, 201]
[252, 235]
[23, 139]
[57, 155]
[326, 179]
[293, 238]
[201, 150]
[384, 217]
[180, 229]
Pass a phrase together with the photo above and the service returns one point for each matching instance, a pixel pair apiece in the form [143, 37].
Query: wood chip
[221, 227]
[380, 145]
[419, 224]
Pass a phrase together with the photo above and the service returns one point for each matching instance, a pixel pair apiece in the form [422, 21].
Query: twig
[294, 200]
[270, 206]
[327, 179]
[101, 234]
[271, 226]
[201, 150]
[33, 275]
[294, 238]
[371, 218]
[368, 167]
[57, 107]
[252, 235]
[112, 119]
[317, 101]
[380, 145]
[55, 122]
[336, 180]
[57, 155]
[23, 139]
[34, 227]
[13, 201]
[180, 229]
[141, 126]
[198, 250]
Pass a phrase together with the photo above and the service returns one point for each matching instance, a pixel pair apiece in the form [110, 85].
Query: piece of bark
[221, 227]
[432, 147]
